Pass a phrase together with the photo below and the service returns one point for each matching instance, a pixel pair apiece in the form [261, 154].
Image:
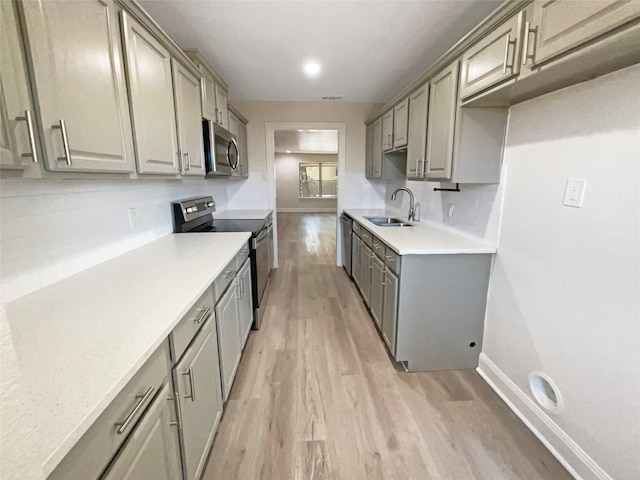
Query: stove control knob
[210, 204]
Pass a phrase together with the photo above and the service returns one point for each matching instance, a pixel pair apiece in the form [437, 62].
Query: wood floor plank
[318, 397]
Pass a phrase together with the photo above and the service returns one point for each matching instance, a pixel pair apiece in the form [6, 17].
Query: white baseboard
[307, 210]
[561, 445]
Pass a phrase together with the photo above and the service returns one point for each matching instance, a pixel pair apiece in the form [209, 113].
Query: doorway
[305, 169]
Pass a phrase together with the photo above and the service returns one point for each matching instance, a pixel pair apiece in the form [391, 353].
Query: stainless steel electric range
[195, 215]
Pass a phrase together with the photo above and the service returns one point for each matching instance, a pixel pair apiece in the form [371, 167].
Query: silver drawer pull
[238, 291]
[176, 399]
[390, 259]
[203, 316]
[525, 48]
[62, 126]
[32, 138]
[229, 273]
[127, 421]
[192, 395]
[376, 246]
[505, 63]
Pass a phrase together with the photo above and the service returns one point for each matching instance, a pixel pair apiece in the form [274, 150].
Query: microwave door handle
[233, 144]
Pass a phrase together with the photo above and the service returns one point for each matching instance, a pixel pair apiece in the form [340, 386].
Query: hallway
[318, 397]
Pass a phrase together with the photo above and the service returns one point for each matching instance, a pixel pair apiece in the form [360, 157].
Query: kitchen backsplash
[475, 210]
[54, 228]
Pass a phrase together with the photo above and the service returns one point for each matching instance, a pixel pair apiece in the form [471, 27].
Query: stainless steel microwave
[220, 149]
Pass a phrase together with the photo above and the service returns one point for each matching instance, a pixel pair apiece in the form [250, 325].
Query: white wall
[565, 289]
[53, 228]
[358, 192]
[288, 185]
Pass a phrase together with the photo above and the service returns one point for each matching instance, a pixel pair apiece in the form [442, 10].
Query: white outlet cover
[574, 192]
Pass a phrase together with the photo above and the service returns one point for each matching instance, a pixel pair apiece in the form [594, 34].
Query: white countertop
[79, 341]
[242, 214]
[420, 239]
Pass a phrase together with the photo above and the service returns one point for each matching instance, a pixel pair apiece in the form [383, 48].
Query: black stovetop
[227, 225]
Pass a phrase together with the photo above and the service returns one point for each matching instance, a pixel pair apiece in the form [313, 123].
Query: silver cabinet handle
[203, 316]
[376, 246]
[238, 291]
[176, 399]
[188, 161]
[417, 163]
[505, 65]
[192, 395]
[390, 259]
[424, 166]
[32, 138]
[122, 426]
[62, 126]
[229, 273]
[525, 47]
[185, 163]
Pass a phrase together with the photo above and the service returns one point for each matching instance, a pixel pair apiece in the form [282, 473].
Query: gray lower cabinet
[377, 289]
[390, 310]
[197, 383]
[229, 343]
[355, 258]
[365, 272]
[245, 301]
[152, 450]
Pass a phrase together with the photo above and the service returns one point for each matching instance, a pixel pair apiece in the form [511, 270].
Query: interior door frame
[270, 129]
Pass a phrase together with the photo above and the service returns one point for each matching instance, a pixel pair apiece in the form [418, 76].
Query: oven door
[261, 246]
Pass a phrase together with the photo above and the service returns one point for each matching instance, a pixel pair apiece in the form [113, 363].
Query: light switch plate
[574, 193]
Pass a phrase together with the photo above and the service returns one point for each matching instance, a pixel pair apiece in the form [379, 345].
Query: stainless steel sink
[388, 222]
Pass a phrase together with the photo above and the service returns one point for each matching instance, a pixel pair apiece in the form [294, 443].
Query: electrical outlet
[450, 212]
[133, 218]
[574, 192]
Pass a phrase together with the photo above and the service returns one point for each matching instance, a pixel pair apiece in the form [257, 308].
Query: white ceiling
[369, 50]
[306, 141]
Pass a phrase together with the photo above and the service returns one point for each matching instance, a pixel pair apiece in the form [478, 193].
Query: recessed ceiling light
[312, 69]
[288, 151]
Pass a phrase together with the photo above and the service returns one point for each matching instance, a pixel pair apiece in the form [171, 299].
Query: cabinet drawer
[366, 236]
[221, 283]
[184, 332]
[392, 260]
[93, 452]
[357, 229]
[377, 246]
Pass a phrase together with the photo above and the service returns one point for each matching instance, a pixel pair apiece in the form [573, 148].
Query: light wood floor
[317, 397]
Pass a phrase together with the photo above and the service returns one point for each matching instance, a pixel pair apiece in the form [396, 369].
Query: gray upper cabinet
[197, 382]
[417, 133]
[78, 80]
[238, 127]
[151, 95]
[222, 114]
[376, 158]
[561, 25]
[442, 116]
[400, 124]
[18, 129]
[494, 59]
[187, 103]
[209, 98]
[153, 450]
[368, 155]
[387, 131]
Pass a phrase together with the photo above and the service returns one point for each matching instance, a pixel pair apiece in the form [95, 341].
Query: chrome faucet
[412, 204]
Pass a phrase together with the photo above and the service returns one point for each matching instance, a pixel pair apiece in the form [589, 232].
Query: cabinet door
[79, 88]
[355, 259]
[400, 124]
[387, 131]
[417, 135]
[377, 289]
[189, 122]
[368, 155]
[152, 451]
[18, 134]
[492, 60]
[365, 272]
[560, 25]
[197, 382]
[442, 118]
[209, 98]
[245, 302]
[376, 160]
[152, 105]
[221, 106]
[228, 338]
[390, 311]
[242, 150]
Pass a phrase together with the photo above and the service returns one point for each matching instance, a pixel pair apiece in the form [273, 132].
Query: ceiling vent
[332, 98]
